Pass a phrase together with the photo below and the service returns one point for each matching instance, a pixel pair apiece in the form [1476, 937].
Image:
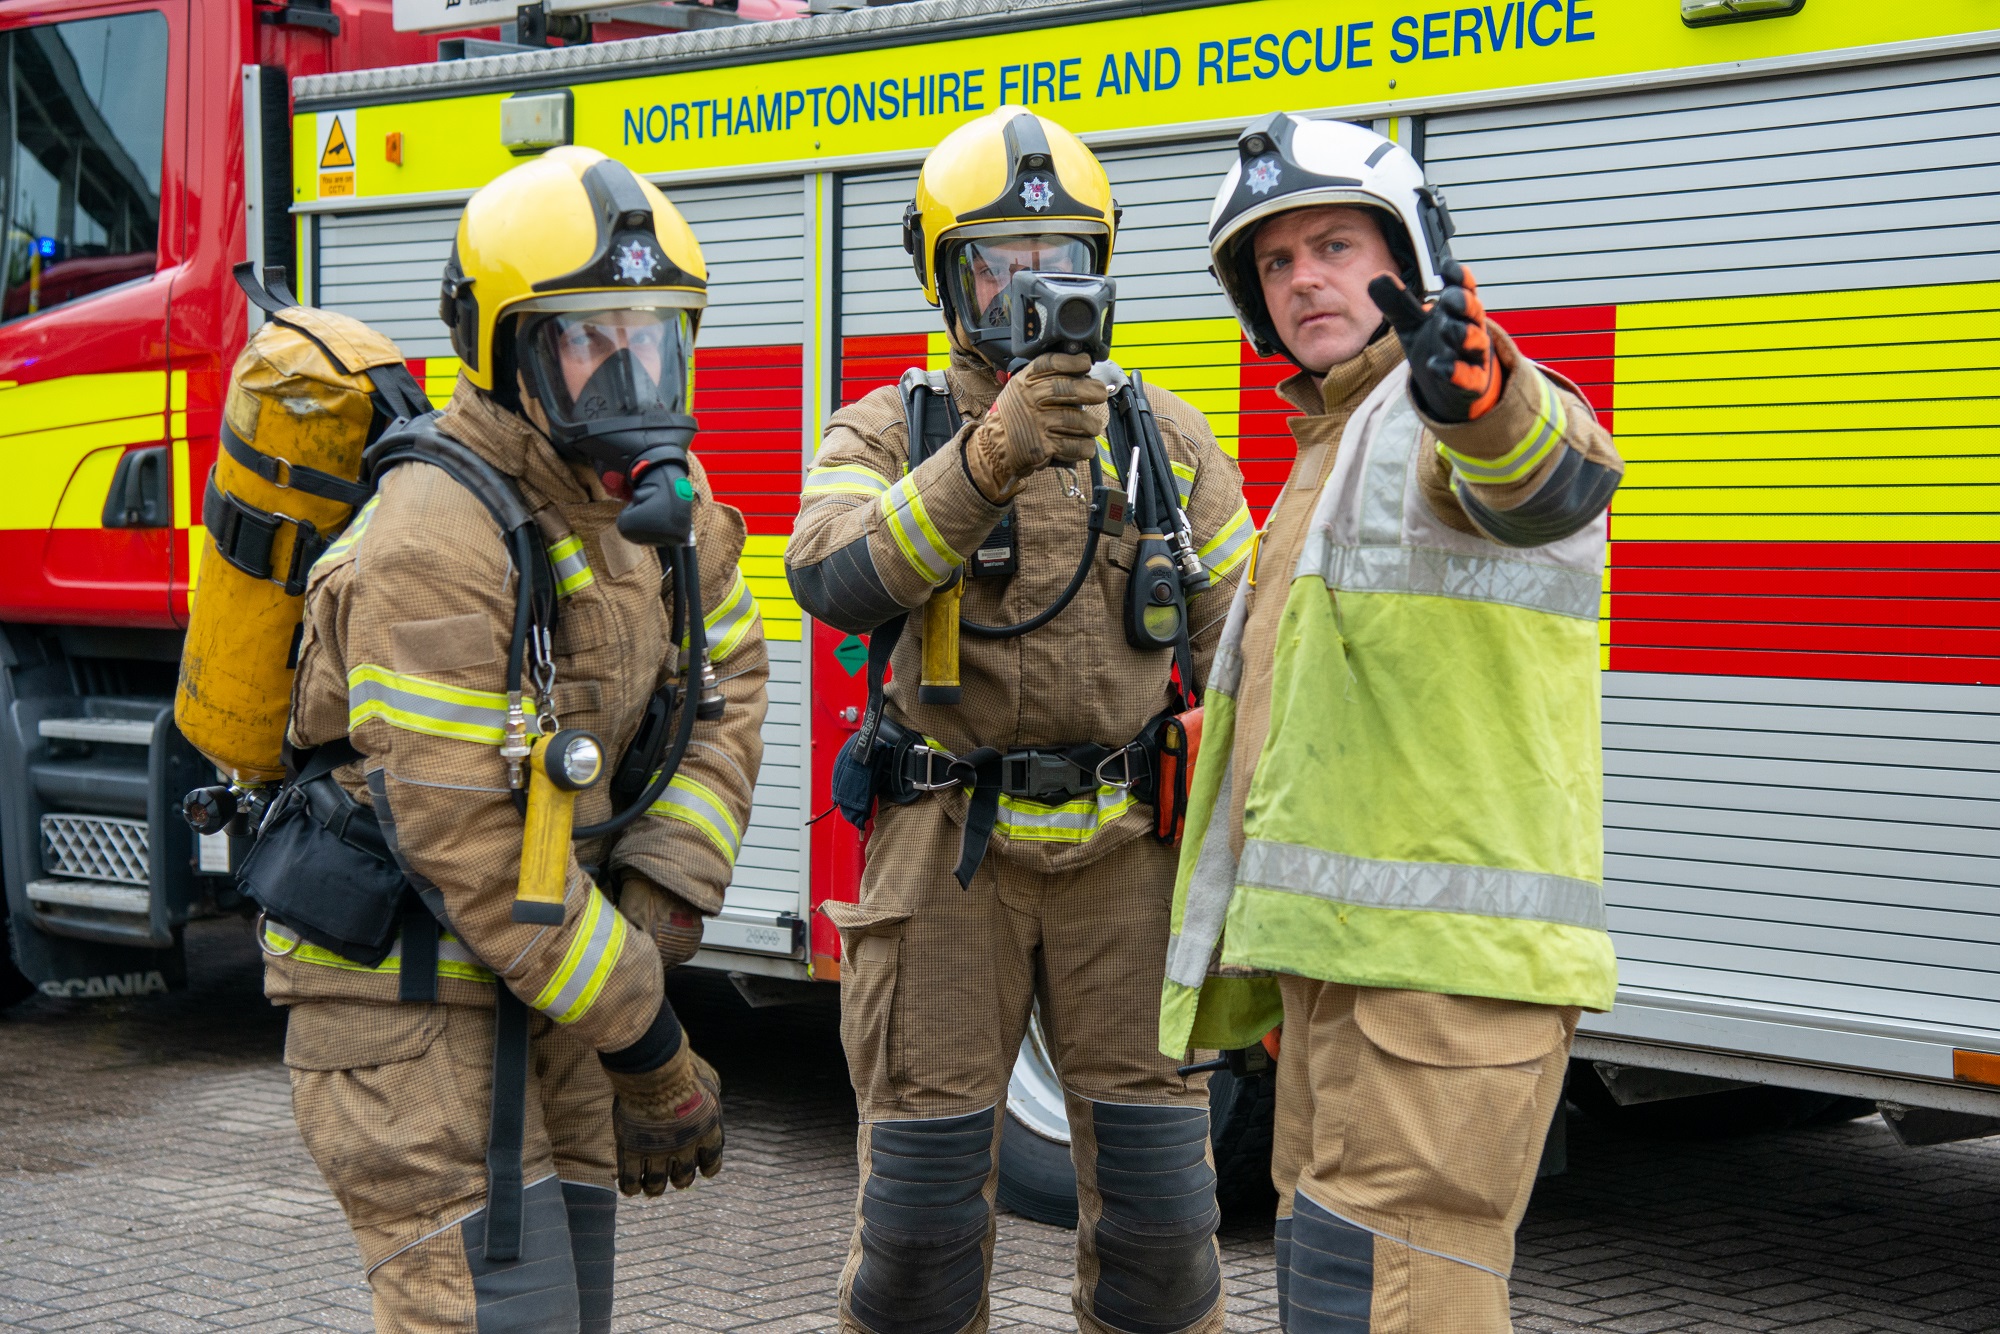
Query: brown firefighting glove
[668, 1123]
[1051, 412]
[673, 924]
[1454, 373]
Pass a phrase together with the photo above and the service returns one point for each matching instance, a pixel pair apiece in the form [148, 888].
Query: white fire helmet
[1285, 162]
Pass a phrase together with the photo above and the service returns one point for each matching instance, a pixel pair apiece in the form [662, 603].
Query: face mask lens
[979, 271]
[602, 365]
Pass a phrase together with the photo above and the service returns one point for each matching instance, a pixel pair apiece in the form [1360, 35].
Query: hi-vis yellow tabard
[1427, 811]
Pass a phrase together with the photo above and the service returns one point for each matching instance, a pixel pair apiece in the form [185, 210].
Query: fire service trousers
[1409, 1130]
[937, 983]
[393, 1100]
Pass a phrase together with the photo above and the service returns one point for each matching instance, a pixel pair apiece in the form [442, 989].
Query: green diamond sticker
[852, 654]
[684, 488]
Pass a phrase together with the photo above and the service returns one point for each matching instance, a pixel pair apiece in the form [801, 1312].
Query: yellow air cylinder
[289, 401]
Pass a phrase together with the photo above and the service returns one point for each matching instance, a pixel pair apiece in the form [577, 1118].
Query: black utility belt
[1043, 774]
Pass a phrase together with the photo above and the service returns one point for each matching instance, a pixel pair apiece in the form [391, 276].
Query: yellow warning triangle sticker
[338, 153]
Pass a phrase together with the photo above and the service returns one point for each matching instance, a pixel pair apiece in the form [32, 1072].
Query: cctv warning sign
[336, 154]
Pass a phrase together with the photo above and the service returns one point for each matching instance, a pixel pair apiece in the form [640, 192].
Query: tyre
[1756, 1110]
[1037, 1179]
[14, 984]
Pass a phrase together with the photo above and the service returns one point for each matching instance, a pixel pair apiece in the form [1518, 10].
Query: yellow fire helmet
[1009, 191]
[573, 230]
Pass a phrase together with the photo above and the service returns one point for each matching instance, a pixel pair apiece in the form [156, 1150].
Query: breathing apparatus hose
[688, 614]
[1068, 595]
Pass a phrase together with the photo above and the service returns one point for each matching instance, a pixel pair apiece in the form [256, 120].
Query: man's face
[1314, 265]
[991, 263]
[585, 342]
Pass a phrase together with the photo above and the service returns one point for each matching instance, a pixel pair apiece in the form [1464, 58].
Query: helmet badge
[1262, 178]
[637, 262]
[1037, 194]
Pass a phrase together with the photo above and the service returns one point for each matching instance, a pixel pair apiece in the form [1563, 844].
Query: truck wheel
[14, 984]
[1037, 1179]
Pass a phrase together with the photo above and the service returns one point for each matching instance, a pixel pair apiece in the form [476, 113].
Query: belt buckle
[1046, 776]
[930, 756]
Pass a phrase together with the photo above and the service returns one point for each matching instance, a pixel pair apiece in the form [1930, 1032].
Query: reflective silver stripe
[1525, 456]
[700, 806]
[844, 479]
[1386, 476]
[729, 623]
[1226, 550]
[572, 565]
[1210, 884]
[1487, 891]
[910, 527]
[582, 969]
[1183, 482]
[1225, 673]
[419, 705]
[345, 542]
[1076, 821]
[1432, 573]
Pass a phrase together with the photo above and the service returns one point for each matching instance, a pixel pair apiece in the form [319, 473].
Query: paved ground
[150, 1179]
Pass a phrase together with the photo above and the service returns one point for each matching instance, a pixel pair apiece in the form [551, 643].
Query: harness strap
[247, 538]
[507, 1129]
[291, 476]
[979, 772]
[417, 980]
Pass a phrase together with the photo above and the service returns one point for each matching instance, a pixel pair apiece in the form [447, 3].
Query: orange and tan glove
[672, 923]
[1454, 374]
[668, 1123]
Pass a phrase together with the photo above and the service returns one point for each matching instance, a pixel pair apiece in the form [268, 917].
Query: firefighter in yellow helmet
[1013, 859]
[475, 1098]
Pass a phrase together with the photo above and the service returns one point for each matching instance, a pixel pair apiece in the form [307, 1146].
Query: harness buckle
[1039, 775]
[930, 758]
[1130, 753]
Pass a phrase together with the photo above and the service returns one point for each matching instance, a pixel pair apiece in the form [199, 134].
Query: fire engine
[1760, 234]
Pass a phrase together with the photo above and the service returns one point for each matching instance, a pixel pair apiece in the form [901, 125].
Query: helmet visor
[977, 271]
[612, 365]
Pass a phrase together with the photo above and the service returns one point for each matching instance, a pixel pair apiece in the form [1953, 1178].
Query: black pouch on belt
[870, 763]
[321, 867]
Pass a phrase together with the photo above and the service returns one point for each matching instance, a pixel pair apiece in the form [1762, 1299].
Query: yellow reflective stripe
[572, 566]
[345, 542]
[705, 809]
[1076, 821]
[844, 479]
[593, 951]
[454, 959]
[1522, 460]
[728, 624]
[1230, 546]
[430, 707]
[1183, 481]
[914, 534]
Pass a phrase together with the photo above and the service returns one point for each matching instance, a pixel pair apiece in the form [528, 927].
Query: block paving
[150, 1179]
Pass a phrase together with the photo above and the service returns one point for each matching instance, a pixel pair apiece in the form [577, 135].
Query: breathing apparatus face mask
[612, 382]
[976, 274]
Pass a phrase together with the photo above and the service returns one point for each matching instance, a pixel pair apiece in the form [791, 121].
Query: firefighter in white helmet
[1068, 907]
[1396, 829]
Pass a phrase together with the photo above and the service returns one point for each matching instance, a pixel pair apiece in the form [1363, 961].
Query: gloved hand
[1454, 373]
[661, 511]
[668, 1123]
[673, 923]
[1050, 412]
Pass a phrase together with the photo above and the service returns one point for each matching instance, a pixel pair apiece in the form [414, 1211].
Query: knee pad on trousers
[1281, 1252]
[593, 1244]
[1155, 1239]
[924, 1219]
[1332, 1281]
[536, 1293]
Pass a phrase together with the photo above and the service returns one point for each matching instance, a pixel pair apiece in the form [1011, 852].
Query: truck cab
[144, 149]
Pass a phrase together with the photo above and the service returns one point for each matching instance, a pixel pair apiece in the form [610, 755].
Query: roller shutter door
[384, 268]
[1784, 291]
[749, 399]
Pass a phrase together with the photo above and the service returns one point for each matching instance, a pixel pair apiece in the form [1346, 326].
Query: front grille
[96, 847]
